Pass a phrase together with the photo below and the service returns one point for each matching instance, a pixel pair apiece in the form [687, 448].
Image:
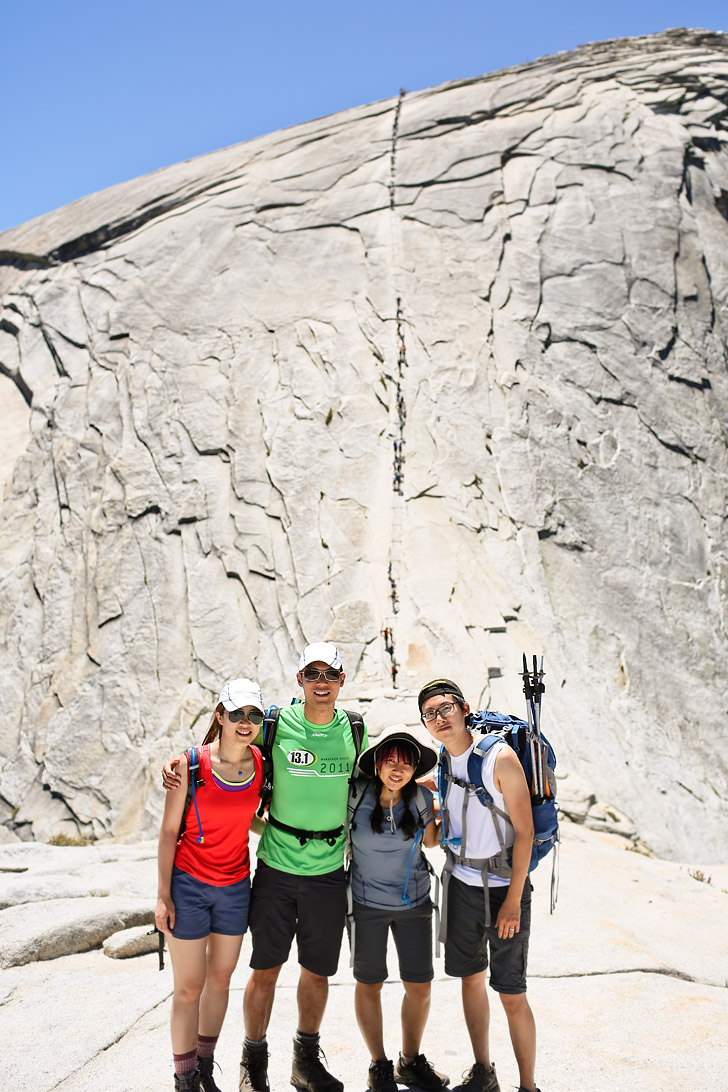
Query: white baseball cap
[238, 693]
[320, 652]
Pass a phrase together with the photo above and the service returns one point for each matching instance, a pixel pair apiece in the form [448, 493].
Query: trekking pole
[537, 689]
[540, 689]
[530, 714]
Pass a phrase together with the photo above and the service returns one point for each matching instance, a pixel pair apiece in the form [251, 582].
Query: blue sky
[96, 92]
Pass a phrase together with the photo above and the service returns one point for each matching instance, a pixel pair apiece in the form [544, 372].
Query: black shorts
[468, 940]
[311, 908]
[412, 933]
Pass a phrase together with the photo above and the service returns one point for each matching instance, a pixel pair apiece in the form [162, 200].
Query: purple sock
[185, 1063]
[206, 1046]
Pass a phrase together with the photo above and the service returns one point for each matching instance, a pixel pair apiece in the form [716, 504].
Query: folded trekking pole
[533, 688]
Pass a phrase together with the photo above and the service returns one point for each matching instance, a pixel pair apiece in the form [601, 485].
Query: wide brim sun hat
[399, 733]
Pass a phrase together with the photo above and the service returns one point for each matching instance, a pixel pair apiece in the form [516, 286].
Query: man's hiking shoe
[479, 1079]
[522, 1089]
[204, 1072]
[187, 1082]
[254, 1071]
[420, 1074]
[308, 1072]
[381, 1076]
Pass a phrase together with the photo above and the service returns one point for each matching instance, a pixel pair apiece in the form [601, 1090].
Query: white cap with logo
[320, 652]
[238, 693]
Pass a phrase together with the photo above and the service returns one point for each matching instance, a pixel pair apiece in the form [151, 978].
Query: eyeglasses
[254, 716]
[312, 674]
[444, 711]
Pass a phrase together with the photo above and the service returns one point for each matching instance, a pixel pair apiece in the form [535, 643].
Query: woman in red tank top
[204, 877]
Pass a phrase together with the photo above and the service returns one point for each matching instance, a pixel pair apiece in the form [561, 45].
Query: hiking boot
[187, 1082]
[420, 1073]
[308, 1071]
[381, 1076]
[204, 1071]
[479, 1079]
[254, 1070]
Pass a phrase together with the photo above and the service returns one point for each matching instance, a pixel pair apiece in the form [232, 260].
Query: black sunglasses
[254, 716]
[312, 674]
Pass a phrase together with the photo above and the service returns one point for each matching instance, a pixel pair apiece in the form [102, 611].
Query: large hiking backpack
[266, 741]
[518, 734]
[544, 809]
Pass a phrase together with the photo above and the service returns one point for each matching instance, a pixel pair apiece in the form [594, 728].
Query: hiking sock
[255, 1044]
[185, 1063]
[206, 1046]
[306, 1038]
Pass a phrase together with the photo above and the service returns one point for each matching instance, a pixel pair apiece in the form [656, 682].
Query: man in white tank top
[471, 943]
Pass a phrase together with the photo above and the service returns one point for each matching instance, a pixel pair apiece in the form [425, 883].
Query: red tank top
[226, 811]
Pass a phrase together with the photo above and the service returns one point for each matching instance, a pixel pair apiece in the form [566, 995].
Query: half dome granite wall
[441, 378]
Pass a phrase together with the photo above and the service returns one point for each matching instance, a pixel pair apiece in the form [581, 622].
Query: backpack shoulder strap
[421, 804]
[268, 735]
[357, 788]
[194, 782]
[270, 727]
[356, 720]
[480, 750]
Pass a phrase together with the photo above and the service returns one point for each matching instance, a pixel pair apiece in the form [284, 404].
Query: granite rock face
[440, 378]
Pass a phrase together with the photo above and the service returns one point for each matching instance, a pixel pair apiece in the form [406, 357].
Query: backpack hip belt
[304, 836]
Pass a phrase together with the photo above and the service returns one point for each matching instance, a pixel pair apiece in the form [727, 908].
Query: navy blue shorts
[201, 908]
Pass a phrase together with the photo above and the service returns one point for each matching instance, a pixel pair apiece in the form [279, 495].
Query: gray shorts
[469, 943]
[412, 933]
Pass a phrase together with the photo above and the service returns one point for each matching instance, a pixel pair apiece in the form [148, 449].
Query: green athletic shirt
[312, 764]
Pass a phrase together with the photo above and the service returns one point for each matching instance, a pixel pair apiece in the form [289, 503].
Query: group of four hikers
[369, 800]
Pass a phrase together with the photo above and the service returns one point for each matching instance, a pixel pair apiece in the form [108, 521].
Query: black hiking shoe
[254, 1070]
[308, 1072]
[204, 1072]
[420, 1073]
[479, 1079]
[381, 1076]
[187, 1082]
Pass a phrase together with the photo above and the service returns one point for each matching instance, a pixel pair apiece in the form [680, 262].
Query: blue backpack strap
[194, 765]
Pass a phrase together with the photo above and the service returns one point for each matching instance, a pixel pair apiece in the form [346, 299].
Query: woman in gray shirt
[390, 817]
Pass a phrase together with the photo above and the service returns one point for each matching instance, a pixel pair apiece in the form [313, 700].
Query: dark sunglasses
[254, 716]
[312, 674]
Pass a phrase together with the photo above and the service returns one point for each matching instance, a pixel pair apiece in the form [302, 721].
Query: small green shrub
[68, 840]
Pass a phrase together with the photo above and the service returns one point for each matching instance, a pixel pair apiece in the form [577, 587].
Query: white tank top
[482, 840]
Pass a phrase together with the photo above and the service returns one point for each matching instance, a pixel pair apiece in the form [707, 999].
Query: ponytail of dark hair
[215, 728]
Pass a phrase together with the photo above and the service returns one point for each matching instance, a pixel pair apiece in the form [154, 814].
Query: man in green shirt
[299, 887]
